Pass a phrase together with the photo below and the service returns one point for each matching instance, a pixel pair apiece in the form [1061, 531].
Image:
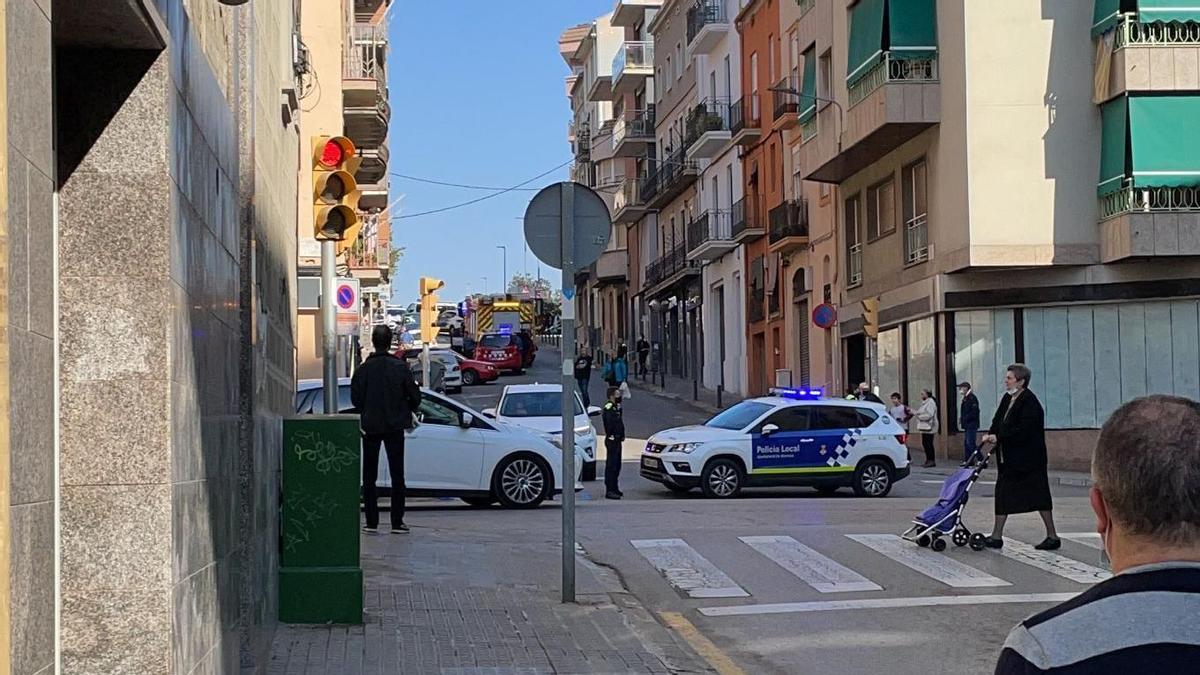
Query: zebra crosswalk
[967, 575]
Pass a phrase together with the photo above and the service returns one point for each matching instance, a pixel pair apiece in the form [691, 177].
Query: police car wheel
[721, 479]
[873, 478]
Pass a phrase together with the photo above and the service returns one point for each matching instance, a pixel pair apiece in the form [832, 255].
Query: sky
[478, 98]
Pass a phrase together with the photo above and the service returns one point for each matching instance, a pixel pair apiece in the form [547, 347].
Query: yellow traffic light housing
[870, 315]
[335, 192]
[428, 289]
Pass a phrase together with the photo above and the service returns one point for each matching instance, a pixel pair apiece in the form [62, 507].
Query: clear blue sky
[477, 97]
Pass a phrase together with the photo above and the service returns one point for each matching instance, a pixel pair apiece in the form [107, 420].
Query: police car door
[781, 443]
[837, 432]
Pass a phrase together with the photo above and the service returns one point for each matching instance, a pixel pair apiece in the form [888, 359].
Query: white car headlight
[583, 431]
[685, 448]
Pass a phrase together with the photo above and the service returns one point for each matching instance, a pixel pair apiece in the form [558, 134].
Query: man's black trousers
[612, 465]
[394, 444]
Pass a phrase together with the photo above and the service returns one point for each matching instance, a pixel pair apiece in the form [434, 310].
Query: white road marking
[816, 570]
[937, 566]
[1052, 562]
[978, 482]
[687, 570]
[1086, 538]
[885, 603]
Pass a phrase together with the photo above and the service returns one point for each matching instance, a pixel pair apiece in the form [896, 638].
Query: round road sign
[824, 315]
[345, 296]
[587, 215]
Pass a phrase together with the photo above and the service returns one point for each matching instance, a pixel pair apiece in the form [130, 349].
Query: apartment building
[1034, 203]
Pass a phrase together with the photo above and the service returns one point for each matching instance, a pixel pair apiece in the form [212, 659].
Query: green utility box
[320, 579]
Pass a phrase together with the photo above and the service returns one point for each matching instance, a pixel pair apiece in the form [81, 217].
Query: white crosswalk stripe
[1086, 538]
[816, 570]
[1052, 562]
[687, 570]
[937, 566]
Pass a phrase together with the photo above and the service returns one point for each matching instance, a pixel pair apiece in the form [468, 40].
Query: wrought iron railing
[1133, 32]
[633, 55]
[709, 226]
[708, 115]
[703, 13]
[634, 125]
[854, 265]
[669, 264]
[786, 103]
[583, 143]
[365, 55]
[737, 115]
[892, 69]
[673, 168]
[916, 239]
[1149, 200]
[649, 183]
[789, 219]
[756, 308]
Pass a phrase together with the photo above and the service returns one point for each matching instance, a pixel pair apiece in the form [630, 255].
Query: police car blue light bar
[799, 394]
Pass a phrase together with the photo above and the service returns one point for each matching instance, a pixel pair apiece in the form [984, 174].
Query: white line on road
[936, 566]
[940, 482]
[885, 603]
[1086, 538]
[1052, 562]
[816, 570]
[687, 570]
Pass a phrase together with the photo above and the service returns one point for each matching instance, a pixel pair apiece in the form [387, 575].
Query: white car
[455, 452]
[793, 437]
[539, 406]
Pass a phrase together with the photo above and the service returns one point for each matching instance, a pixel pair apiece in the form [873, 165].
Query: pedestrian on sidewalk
[583, 375]
[1146, 466]
[614, 437]
[968, 419]
[899, 412]
[386, 395]
[643, 355]
[616, 372]
[1022, 483]
[927, 425]
[865, 394]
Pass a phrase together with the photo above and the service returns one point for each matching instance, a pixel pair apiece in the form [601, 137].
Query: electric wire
[478, 199]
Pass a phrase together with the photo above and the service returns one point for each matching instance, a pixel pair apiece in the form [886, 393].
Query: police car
[792, 437]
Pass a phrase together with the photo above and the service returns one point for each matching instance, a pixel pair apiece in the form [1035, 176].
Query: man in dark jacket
[614, 436]
[386, 396]
[583, 375]
[968, 419]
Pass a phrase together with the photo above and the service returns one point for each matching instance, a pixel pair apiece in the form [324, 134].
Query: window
[754, 87]
[712, 86]
[825, 78]
[792, 418]
[739, 416]
[728, 80]
[853, 242]
[830, 418]
[670, 73]
[888, 358]
[984, 345]
[679, 60]
[866, 417]
[432, 411]
[535, 404]
[881, 209]
[920, 360]
[771, 57]
[344, 404]
[496, 341]
[916, 226]
[793, 53]
[729, 182]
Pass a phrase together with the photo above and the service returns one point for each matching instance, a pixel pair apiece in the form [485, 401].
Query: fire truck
[503, 331]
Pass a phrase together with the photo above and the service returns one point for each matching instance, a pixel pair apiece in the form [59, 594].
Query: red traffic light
[332, 154]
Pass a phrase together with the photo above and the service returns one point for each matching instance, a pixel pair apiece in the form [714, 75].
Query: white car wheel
[522, 482]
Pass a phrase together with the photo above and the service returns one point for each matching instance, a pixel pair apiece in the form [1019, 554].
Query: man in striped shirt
[1146, 468]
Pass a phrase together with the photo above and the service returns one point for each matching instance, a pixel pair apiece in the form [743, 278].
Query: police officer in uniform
[614, 436]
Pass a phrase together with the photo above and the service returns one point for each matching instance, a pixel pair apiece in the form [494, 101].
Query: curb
[1079, 480]
[661, 393]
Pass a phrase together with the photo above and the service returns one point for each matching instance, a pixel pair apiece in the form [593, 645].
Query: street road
[785, 581]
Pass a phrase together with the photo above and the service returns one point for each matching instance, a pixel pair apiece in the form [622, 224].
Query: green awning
[866, 38]
[1105, 15]
[1166, 10]
[912, 28]
[1165, 140]
[1113, 145]
[808, 88]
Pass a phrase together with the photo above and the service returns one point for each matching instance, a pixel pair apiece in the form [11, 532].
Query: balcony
[756, 309]
[373, 195]
[1149, 222]
[744, 122]
[583, 143]
[601, 89]
[633, 63]
[365, 109]
[668, 179]
[894, 102]
[710, 236]
[786, 106]
[707, 23]
[746, 225]
[628, 13]
[666, 271]
[613, 265]
[628, 206]
[707, 129]
[374, 165]
[788, 227]
[1150, 56]
[633, 133]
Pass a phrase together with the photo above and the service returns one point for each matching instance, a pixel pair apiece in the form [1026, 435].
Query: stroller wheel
[923, 541]
[960, 537]
[938, 545]
[976, 541]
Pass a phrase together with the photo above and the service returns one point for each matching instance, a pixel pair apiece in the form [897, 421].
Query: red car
[476, 372]
[503, 351]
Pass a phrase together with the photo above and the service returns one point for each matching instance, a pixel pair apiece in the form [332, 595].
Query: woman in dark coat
[1019, 432]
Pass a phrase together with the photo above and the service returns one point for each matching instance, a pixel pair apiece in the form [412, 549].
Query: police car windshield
[534, 404]
[739, 416]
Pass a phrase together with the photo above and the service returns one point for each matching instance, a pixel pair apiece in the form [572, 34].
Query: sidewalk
[462, 595]
[945, 468]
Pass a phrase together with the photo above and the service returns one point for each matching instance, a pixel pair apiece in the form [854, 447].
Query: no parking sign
[348, 306]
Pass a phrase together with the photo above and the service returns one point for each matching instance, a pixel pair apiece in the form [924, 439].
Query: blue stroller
[945, 517]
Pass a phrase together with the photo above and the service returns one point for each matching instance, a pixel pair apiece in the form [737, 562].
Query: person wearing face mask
[614, 437]
[1018, 432]
[1146, 497]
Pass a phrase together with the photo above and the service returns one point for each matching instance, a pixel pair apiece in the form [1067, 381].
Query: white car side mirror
[769, 429]
[466, 420]
[489, 412]
[593, 411]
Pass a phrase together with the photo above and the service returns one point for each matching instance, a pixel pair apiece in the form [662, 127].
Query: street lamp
[504, 279]
[840, 109]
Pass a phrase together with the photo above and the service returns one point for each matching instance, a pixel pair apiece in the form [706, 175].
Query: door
[719, 303]
[836, 431]
[790, 448]
[441, 455]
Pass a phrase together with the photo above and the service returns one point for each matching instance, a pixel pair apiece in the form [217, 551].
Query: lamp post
[504, 279]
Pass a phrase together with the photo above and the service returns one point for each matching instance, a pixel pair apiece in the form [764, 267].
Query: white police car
[792, 437]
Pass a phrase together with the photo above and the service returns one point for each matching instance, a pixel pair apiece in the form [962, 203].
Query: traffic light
[870, 313]
[429, 288]
[335, 192]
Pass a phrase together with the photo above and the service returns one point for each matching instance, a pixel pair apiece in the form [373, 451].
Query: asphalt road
[785, 581]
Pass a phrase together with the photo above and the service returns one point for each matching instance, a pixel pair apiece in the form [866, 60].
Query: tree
[394, 257]
[535, 287]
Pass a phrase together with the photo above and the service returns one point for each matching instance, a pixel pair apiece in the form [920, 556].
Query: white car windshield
[739, 416]
[534, 404]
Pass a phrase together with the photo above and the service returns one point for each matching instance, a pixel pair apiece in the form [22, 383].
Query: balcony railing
[703, 13]
[708, 115]
[854, 265]
[916, 239]
[1134, 33]
[1150, 200]
[737, 217]
[789, 219]
[808, 129]
[628, 195]
[649, 183]
[634, 124]
[633, 55]
[756, 308]
[737, 115]
[785, 103]
[365, 56]
[673, 168]
[709, 226]
[583, 143]
[668, 265]
[892, 69]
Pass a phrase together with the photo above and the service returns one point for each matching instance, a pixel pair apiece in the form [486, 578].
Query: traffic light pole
[329, 326]
[568, 394]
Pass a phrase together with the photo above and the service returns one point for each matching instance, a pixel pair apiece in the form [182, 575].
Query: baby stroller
[945, 517]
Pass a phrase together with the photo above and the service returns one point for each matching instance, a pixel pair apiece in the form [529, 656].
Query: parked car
[502, 350]
[451, 381]
[539, 407]
[475, 372]
[455, 451]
